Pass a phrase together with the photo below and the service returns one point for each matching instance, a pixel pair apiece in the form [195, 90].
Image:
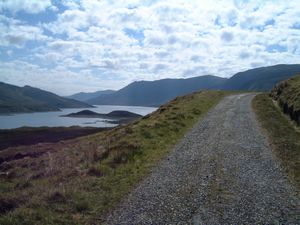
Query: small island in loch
[116, 117]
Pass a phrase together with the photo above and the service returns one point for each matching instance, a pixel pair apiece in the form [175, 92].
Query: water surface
[53, 119]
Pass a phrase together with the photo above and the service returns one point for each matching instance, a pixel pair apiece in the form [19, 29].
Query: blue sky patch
[136, 34]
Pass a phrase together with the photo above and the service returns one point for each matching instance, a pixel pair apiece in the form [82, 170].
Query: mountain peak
[30, 99]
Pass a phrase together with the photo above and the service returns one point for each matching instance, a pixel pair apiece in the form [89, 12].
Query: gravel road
[222, 172]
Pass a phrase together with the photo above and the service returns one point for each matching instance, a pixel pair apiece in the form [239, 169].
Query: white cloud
[16, 33]
[29, 6]
[58, 80]
[132, 40]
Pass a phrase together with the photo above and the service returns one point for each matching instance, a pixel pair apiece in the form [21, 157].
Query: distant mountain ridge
[84, 96]
[14, 99]
[154, 93]
[261, 79]
[143, 93]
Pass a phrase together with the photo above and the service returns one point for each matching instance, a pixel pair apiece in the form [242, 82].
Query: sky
[68, 46]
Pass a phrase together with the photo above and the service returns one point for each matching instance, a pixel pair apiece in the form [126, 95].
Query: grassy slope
[287, 94]
[28, 99]
[77, 181]
[282, 134]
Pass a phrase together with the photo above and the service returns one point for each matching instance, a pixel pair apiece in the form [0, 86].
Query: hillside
[86, 177]
[28, 99]
[84, 96]
[287, 94]
[260, 79]
[154, 93]
[282, 134]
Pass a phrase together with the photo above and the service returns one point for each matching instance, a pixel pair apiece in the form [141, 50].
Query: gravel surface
[222, 172]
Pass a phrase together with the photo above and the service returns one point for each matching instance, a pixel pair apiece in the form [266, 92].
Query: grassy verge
[282, 134]
[78, 181]
[287, 95]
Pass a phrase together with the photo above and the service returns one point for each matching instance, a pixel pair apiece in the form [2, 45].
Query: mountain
[260, 79]
[154, 93]
[143, 93]
[84, 96]
[30, 99]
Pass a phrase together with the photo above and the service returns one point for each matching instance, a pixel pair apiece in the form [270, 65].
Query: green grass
[78, 181]
[283, 135]
[287, 94]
